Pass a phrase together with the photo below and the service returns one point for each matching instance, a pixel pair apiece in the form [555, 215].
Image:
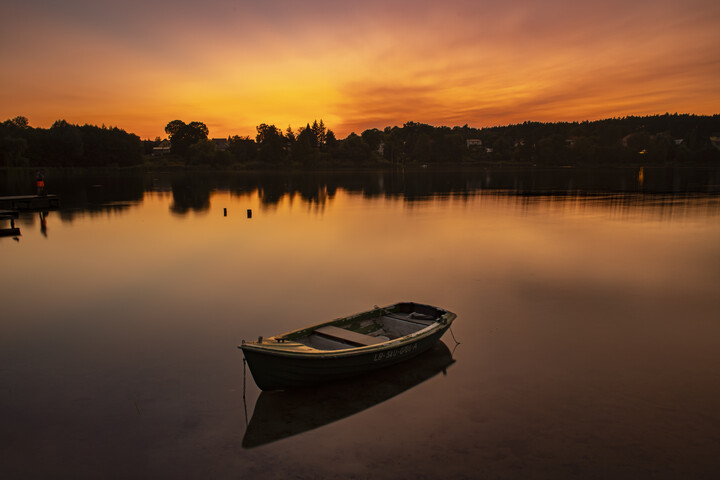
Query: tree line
[647, 140]
[309, 146]
[66, 145]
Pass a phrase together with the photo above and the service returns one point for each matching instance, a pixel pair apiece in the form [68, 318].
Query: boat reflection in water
[282, 414]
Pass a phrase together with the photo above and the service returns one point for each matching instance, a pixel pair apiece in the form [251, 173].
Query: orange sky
[357, 65]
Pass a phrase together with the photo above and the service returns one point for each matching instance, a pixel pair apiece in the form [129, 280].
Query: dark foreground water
[588, 319]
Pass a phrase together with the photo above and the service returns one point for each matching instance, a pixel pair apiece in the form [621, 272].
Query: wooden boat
[345, 346]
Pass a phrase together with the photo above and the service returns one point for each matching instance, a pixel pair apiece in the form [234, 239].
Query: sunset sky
[357, 65]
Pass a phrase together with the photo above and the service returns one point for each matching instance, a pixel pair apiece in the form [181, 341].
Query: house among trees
[715, 142]
[162, 148]
[474, 142]
[221, 144]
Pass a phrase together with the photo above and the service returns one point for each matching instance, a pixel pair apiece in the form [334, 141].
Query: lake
[588, 306]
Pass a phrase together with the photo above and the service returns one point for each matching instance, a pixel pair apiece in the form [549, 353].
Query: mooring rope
[244, 361]
[244, 401]
[452, 354]
[453, 335]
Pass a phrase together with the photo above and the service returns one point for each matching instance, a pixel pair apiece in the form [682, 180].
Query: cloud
[636, 72]
[357, 65]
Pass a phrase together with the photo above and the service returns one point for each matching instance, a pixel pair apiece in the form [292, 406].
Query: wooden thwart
[342, 334]
[410, 319]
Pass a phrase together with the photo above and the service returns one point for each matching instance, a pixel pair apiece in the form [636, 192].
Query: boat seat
[410, 319]
[348, 336]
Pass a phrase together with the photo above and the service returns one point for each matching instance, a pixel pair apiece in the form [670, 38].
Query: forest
[669, 139]
[66, 145]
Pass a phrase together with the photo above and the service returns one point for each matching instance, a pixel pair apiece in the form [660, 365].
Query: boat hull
[276, 371]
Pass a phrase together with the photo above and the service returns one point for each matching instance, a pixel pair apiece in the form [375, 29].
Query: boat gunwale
[287, 348]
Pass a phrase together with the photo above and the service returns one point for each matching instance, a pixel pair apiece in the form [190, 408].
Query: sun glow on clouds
[234, 65]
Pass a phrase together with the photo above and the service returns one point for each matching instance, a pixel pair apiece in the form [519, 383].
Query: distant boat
[345, 346]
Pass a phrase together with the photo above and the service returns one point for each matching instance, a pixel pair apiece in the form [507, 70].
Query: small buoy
[224, 212]
[249, 213]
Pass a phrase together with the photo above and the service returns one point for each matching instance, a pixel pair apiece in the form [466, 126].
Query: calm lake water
[588, 310]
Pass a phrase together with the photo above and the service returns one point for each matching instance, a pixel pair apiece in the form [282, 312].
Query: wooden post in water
[249, 213]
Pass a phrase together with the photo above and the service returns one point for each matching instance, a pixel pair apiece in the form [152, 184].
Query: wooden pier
[30, 202]
[12, 216]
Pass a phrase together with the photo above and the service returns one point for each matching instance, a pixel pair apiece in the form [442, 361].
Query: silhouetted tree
[271, 143]
[319, 130]
[290, 136]
[306, 148]
[373, 138]
[393, 144]
[67, 144]
[20, 122]
[12, 151]
[173, 127]
[183, 136]
[330, 139]
[202, 152]
[354, 149]
[242, 149]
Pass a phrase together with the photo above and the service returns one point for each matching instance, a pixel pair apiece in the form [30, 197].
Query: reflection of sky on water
[588, 326]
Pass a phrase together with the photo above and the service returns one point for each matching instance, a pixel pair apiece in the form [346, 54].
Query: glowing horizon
[234, 65]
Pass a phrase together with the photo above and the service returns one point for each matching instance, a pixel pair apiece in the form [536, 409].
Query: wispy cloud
[357, 65]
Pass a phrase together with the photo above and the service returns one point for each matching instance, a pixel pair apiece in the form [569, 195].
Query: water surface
[588, 322]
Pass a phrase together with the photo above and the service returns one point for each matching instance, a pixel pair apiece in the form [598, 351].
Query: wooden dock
[30, 202]
[9, 215]
[12, 216]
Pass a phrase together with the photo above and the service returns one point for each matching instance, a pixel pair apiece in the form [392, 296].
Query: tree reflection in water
[116, 190]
